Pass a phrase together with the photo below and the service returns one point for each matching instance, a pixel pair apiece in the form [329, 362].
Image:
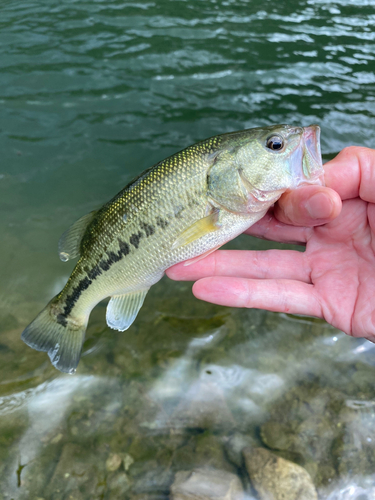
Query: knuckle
[358, 151]
[247, 294]
[282, 294]
[259, 264]
[366, 157]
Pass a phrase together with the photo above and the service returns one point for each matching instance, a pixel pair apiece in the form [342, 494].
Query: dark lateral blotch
[135, 238]
[61, 319]
[124, 247]
[104, 264]
[148, 229]
[94, 272]
[178, 211]
[84, 283]
[161, 222]
[114, 257]
[72, 299]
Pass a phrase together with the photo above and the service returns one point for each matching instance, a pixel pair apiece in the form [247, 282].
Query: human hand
[334, 278]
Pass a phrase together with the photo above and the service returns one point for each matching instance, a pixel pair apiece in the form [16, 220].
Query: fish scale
[184, 207]
[142, 200]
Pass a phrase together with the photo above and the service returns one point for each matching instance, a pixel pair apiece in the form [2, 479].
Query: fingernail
[319, 206]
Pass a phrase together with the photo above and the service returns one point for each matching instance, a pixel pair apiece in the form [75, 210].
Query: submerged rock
[354, 450]
[304, 426]
[128, 460]
[202, 450]
[206, 484]
[152, 478]
[77, 470]
[277, 436]
[113, 462]
[275, 478]
[117, 485]
[235, 444]
[74, 495]
[203, 407]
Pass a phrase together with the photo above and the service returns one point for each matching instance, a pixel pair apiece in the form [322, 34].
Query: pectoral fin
[70, 241]
[198, 229]
[123, 309]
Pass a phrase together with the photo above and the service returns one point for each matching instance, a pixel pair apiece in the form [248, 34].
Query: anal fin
[200, 228]
[123, 309]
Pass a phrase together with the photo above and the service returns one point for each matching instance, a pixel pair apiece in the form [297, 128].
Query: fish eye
[275, 143]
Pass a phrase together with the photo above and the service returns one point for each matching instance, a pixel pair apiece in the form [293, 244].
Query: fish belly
[145, 265]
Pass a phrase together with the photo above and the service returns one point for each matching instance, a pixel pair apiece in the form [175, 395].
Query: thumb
[308, 206]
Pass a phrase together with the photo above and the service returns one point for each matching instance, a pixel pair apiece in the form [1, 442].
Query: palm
[340, 261]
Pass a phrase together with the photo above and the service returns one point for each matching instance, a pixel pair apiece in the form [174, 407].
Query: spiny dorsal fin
[123, 309]
[200, 228]
[70, 241]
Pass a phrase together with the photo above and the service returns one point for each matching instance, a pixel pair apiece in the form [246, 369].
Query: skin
[334, 278]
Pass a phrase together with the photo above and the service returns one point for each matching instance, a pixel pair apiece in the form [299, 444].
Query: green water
[91, 94]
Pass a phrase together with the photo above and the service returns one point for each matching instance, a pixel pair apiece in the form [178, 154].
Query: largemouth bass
[184, 207]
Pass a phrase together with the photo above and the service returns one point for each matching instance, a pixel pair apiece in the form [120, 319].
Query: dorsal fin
[70, 241]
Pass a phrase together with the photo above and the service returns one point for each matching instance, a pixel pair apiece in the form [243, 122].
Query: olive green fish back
[137, 196]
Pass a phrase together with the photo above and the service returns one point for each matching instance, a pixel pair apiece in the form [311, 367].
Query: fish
[182, 208]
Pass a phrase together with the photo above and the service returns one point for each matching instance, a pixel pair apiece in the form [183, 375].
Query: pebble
[113, 462]
[206, 484]
[57, 438]
[128, 460]
[275, 478]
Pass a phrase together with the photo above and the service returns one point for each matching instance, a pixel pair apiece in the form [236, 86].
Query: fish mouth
[312, 165]
[307, 166]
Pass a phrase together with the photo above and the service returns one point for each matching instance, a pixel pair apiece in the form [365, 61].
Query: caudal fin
[62, 343]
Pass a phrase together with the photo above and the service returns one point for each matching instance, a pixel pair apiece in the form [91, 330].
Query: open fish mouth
[306, 161]
[312, 165]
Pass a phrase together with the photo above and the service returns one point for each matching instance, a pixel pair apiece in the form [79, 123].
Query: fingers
[246, 264]
[308, 206]
[352, 173]
[286, 296]
[371, 220]
[270, 228]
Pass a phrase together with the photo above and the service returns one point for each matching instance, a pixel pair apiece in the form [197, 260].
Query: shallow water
[92, 93]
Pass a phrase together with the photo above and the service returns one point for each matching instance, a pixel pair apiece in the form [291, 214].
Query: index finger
[352, 173]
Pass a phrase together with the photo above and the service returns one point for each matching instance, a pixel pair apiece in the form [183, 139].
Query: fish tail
[61, 338]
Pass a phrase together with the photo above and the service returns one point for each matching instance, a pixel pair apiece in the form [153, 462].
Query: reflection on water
[91, 93]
